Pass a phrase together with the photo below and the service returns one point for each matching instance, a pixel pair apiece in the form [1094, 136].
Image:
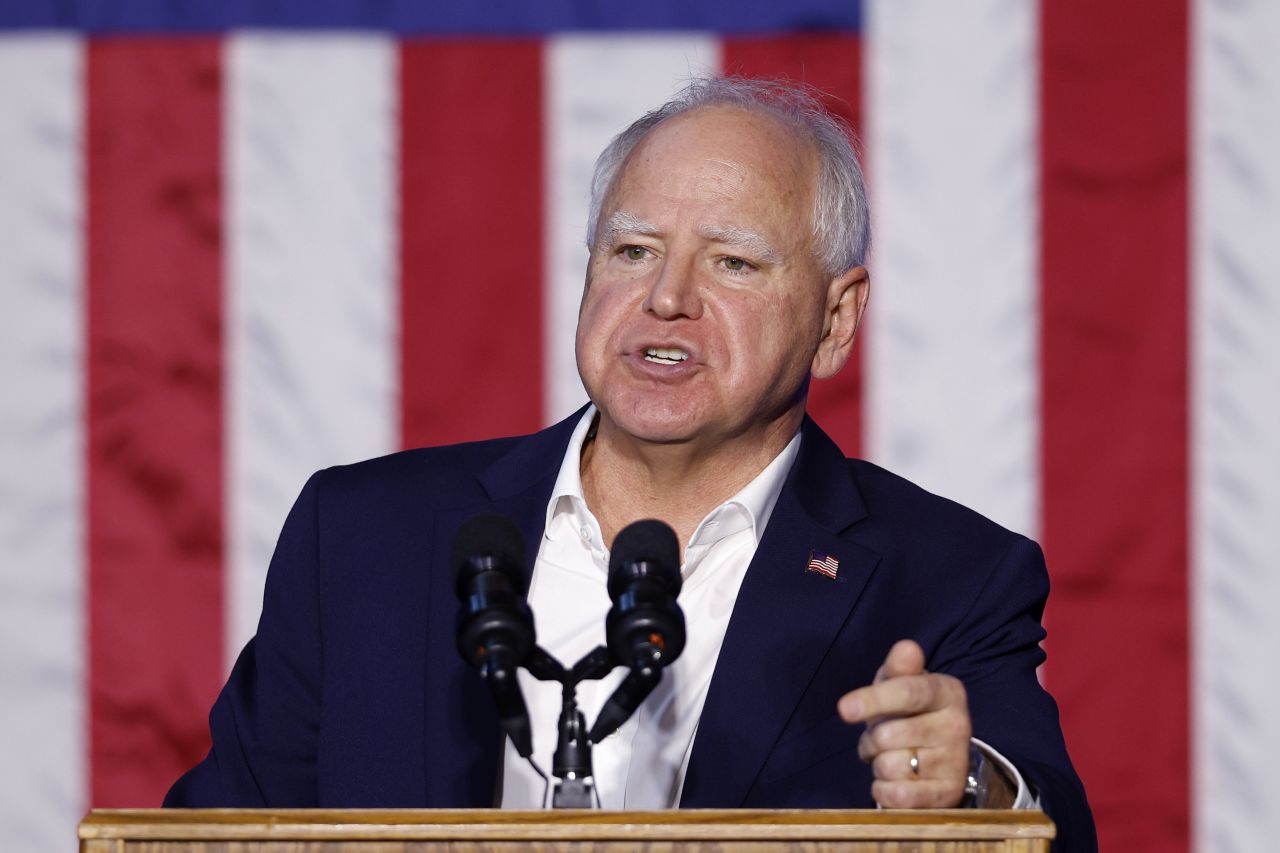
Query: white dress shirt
[643, 764]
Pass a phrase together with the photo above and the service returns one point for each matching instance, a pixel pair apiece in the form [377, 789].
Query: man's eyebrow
[622, 222]
[752, 241]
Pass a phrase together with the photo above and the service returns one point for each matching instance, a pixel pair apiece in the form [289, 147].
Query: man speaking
[852, 639]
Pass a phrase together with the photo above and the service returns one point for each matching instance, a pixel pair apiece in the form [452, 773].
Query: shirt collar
[567, 494]
[750, 508]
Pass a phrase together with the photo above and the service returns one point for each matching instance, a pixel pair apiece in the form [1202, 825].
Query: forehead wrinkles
[723, 154]
[723, 178]
[680, 178]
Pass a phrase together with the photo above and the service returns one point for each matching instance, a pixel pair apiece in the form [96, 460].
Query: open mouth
[665, 355]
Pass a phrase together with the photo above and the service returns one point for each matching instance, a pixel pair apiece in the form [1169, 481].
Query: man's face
[704, 303]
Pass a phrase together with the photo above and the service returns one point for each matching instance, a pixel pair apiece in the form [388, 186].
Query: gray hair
[841, 222]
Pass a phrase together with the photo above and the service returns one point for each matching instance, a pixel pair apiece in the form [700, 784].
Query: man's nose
[674, 292]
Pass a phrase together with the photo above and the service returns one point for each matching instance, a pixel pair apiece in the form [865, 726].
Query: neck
[625, 479]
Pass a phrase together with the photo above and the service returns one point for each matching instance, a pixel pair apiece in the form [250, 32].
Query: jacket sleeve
[995, 651]
[265, 723]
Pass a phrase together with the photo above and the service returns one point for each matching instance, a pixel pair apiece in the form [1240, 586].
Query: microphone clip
[571, 762]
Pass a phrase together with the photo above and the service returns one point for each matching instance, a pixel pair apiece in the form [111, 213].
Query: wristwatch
[987, 785]
[975, 784]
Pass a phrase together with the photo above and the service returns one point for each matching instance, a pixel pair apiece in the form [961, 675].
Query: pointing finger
[901, 697]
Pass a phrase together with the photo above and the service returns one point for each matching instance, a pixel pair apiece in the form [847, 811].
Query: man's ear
[846, 300]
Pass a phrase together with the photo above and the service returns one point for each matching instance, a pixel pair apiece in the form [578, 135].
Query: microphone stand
[571, 763]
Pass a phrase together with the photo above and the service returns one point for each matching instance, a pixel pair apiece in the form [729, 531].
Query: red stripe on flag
[154, 374]
[1114, 338]
[471, 239]
[832, 62]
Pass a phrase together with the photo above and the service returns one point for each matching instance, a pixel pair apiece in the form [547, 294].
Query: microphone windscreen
[647, 541]
[493, 537]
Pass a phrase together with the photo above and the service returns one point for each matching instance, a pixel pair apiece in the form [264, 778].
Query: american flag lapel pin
[823, 564]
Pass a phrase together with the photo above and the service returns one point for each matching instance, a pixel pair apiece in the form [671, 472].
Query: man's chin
[659, 435]
[668, 428]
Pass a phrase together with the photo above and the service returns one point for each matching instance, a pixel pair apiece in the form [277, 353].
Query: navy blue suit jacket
[352, 694]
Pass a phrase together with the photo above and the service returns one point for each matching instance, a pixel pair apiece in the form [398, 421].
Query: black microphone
[645, 626]
[495, 626]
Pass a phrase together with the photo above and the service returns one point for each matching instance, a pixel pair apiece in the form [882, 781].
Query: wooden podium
[484, 830]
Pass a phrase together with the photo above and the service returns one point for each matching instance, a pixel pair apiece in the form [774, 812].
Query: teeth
[665, 355]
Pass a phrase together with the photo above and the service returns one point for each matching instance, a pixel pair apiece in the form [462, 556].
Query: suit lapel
[783, 623]
[519, 484]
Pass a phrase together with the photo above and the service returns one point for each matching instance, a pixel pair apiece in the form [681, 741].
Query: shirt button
[586, 534]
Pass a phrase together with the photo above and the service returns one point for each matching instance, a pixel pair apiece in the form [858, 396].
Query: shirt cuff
[1025, 798]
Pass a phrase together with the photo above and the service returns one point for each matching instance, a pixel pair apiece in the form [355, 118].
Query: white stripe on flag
[594, 87]
[42, 635]
[952, 368]
[1236, 422]
[312, 289]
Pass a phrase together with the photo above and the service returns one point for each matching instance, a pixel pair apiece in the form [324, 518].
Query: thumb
[905, 658]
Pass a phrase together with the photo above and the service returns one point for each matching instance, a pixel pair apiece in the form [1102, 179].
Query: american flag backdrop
[240, 241]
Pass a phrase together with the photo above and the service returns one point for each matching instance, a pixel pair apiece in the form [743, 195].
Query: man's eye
[736, 264]
[635, 253]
